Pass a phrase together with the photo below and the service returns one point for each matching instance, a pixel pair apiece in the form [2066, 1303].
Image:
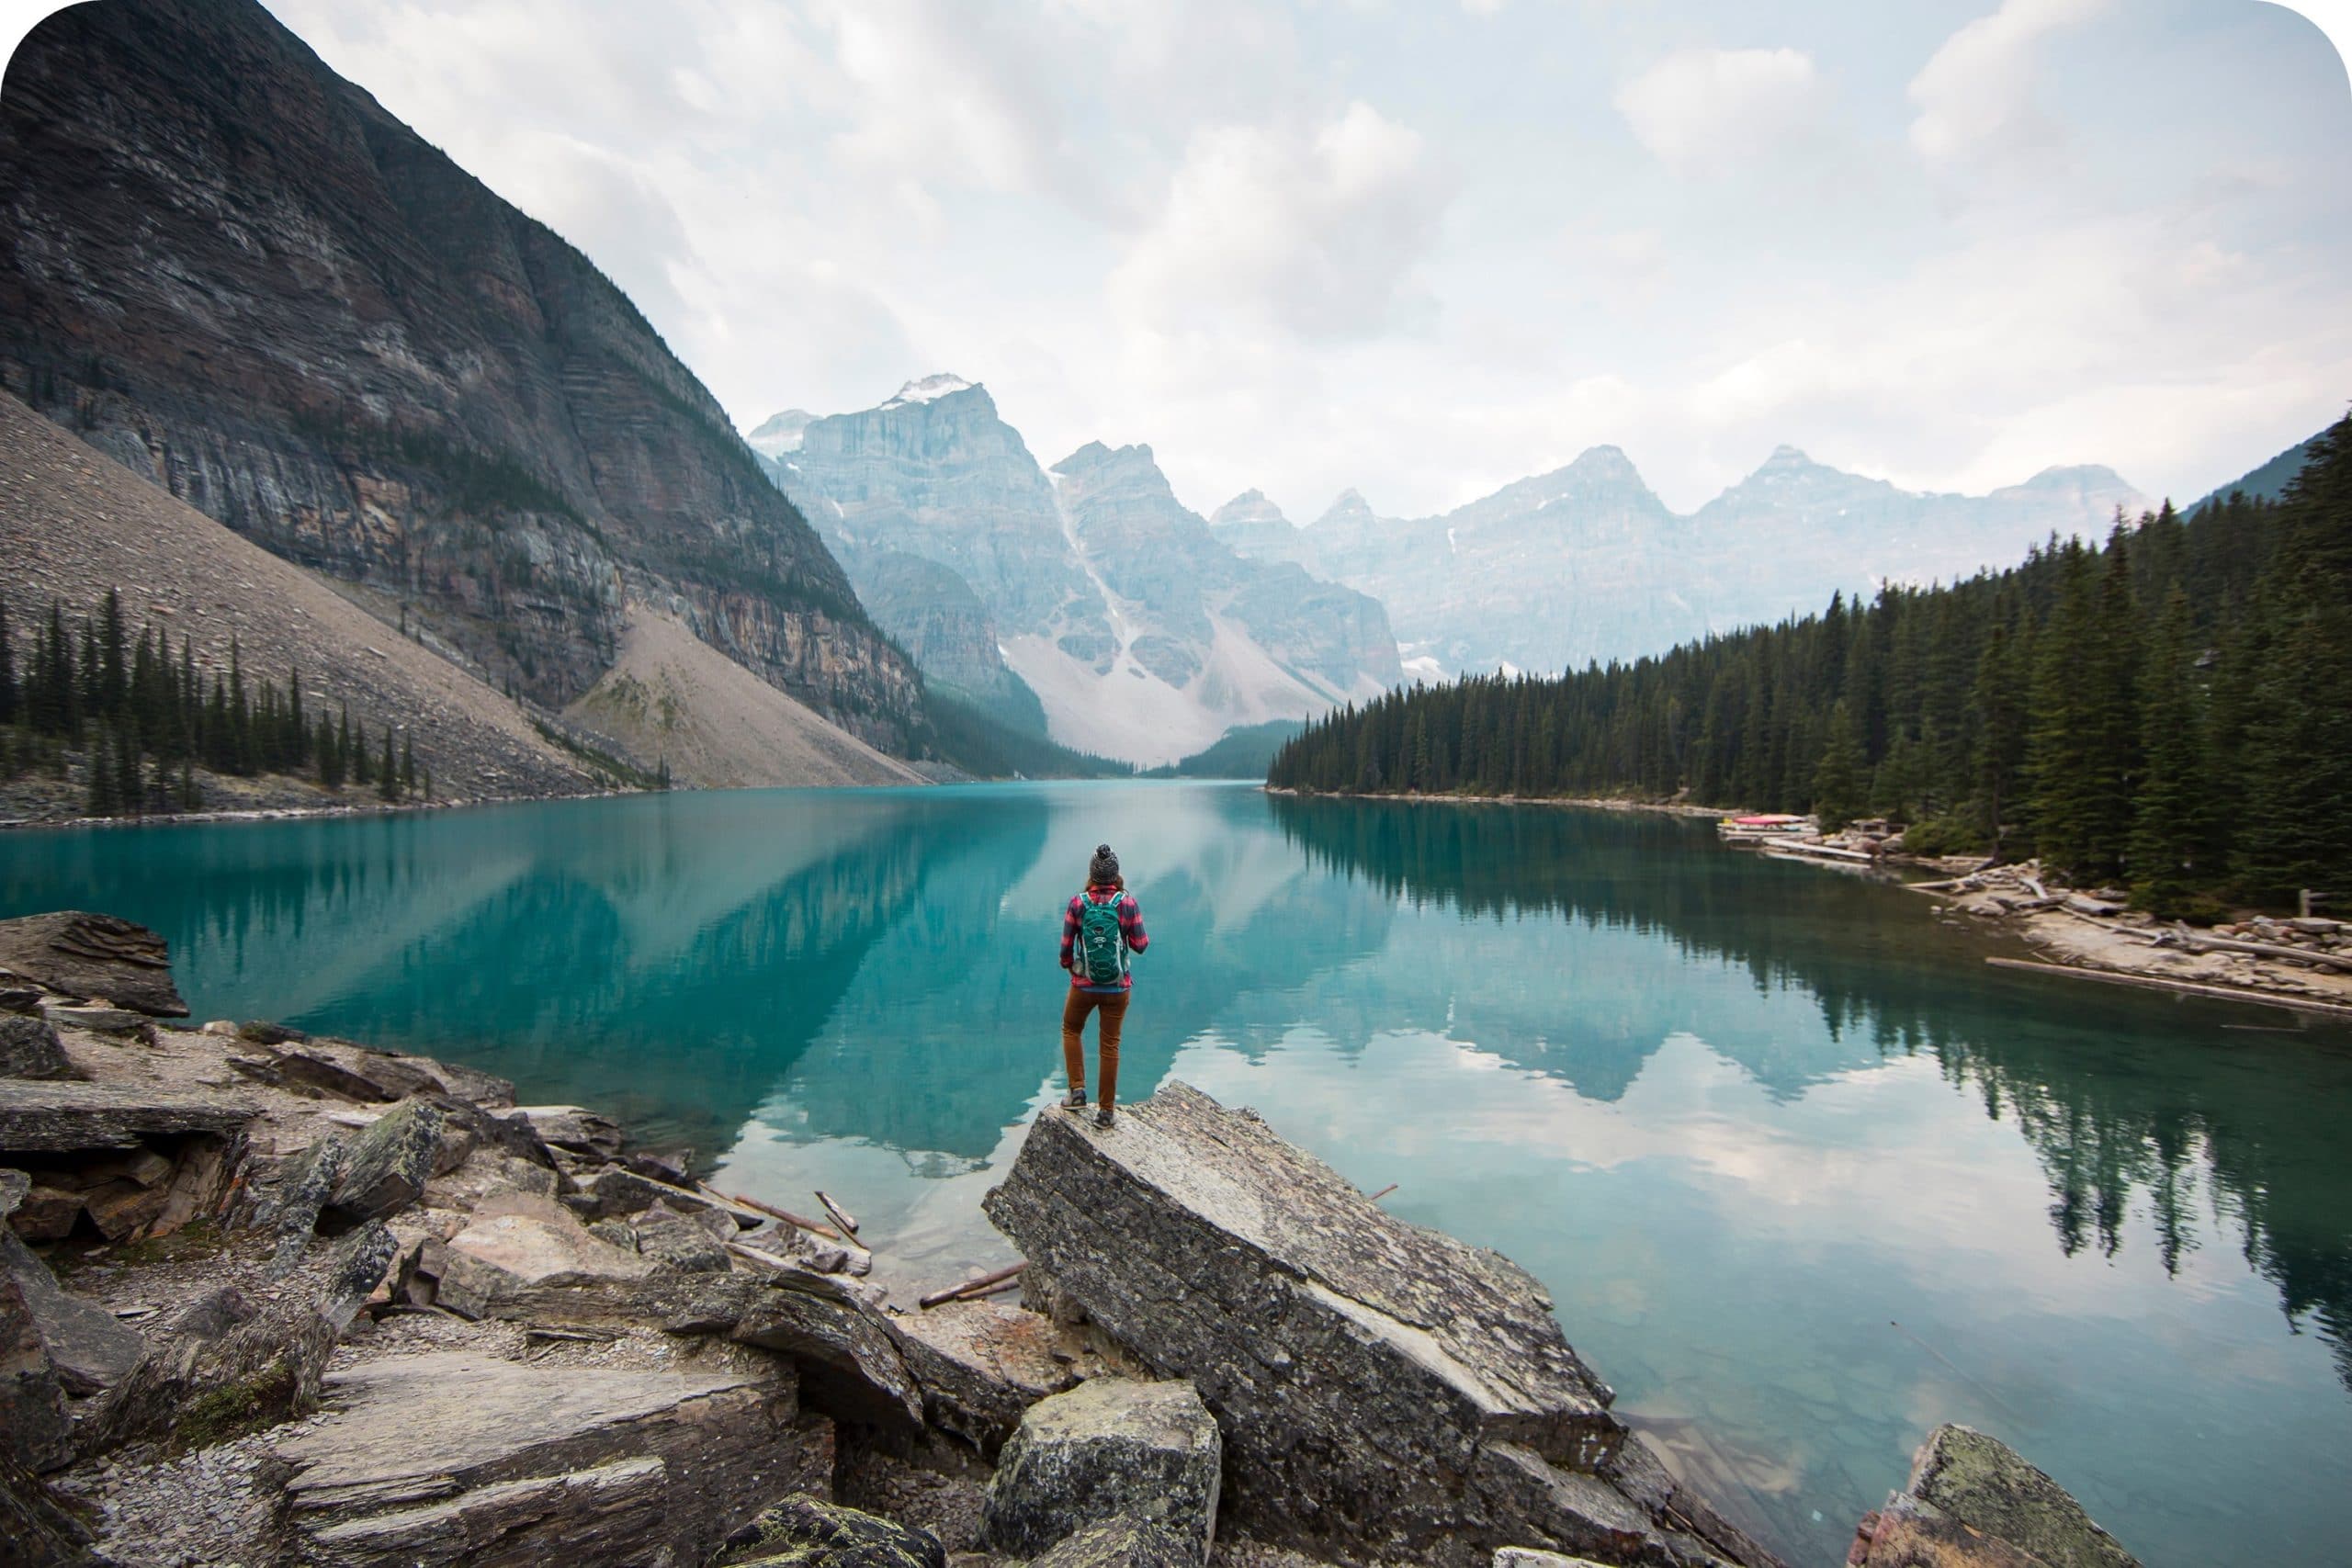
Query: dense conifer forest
[137, 722]
[2171, 709]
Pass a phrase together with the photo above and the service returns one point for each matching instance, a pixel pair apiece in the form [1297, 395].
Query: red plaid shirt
[1130, 928]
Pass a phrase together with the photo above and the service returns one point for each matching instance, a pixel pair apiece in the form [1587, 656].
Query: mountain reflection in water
[1804, 1174]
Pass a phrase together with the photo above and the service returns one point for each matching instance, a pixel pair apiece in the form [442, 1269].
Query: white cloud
[1975, 94]
[1707, 110]
[1317, 231]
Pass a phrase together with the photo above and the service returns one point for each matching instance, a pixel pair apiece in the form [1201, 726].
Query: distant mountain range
[1087, 594]
[1586, 563]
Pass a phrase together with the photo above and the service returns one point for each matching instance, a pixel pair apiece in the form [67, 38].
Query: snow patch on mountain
[930, 388]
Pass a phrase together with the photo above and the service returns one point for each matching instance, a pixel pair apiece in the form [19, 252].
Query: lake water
[1804, 1174]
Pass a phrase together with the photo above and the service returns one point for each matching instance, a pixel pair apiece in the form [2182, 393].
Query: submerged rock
[1110, 1452]
[80, 955]
[1974, 1501]
[806, 1531]
[1382, 1387]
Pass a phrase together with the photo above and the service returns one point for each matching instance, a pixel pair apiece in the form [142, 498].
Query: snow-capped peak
[780, 432]
[930, 388]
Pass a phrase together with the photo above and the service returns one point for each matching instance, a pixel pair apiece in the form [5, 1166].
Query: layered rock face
[1585, 563]
[233, 271]
[1382, 1390]
[1144, 636]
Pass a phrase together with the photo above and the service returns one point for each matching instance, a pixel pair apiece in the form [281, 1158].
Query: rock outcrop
[1143, 1458]
[234, 272]
[74, 954]
[1974, 1501]
[1382, 1388]
[29, 1049]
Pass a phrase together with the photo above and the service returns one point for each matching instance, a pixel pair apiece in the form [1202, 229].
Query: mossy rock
[805, 1531]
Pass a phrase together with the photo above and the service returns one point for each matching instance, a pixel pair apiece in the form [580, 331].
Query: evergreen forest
[137, 722]
[2170, 710]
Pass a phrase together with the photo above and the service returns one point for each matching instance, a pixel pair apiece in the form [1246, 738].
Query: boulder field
[271, 1299]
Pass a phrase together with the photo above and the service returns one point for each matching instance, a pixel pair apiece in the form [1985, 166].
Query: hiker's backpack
[1102, 950]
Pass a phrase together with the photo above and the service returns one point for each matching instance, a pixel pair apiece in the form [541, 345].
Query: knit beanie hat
[1104, 870]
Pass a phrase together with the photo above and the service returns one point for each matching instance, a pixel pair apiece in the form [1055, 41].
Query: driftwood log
[2183, 987]
[986, 1284]
[2195, 943]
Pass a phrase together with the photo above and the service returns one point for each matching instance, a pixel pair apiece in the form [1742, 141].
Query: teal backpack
[1102, 950]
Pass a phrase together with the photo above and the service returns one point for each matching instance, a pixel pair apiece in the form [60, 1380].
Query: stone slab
[67, 1118]
[1112, 1450]
[86, 955]
[454, 1457]
[1989, 1486]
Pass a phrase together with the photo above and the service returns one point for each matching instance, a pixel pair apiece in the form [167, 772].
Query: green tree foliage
[144, 721]
[2171, 708]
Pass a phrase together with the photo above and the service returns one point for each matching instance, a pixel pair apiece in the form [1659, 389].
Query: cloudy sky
[1423, 249]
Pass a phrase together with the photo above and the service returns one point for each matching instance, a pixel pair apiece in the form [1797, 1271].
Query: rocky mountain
[1144, 635]
[1586, 563]
[236, 274]
[74, 525]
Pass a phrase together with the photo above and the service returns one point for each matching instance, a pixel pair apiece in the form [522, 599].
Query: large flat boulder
[69, 1117]
[388, 1164]
[981, 1366]
[516, 1242]
[457, 1457]
[1110, 1452]
[86, 955]
[1382, 1387]
[833, 1329]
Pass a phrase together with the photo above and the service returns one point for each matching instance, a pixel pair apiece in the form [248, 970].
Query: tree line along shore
[2166, 711]
[133, 724]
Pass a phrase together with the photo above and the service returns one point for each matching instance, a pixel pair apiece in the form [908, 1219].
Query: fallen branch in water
[812, 1227]
[840, 1216]
[2223, 993]
[987, 1284]
[1383, 1192]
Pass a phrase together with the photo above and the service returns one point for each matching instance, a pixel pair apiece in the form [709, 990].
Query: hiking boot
[1074, 1100]
[1104, 1117]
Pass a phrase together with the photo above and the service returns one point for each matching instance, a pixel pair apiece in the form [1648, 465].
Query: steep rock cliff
[235, 272]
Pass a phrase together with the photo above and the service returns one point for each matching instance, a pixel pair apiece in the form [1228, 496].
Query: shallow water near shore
[1804, 1174]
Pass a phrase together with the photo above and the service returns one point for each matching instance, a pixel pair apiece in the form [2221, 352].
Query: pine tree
[2168, 830]
[2062, 743]
[407, 763]
[388, 777]
[105, 796]
[1838, 794]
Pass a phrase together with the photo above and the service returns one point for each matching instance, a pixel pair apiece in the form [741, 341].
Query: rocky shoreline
[272, 1299]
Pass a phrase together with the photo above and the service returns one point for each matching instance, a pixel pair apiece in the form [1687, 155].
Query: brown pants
[1114, 1014]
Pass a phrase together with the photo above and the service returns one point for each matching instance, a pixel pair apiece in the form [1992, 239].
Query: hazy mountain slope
[673, 697]
[241, 277]
[74, 523]
[2267, 482]
[1585, 563]
[1142, 634]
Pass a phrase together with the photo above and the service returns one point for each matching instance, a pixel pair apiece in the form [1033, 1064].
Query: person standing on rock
[1099, 927]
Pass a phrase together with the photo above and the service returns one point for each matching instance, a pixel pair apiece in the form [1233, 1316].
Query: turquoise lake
[1804, 1174]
